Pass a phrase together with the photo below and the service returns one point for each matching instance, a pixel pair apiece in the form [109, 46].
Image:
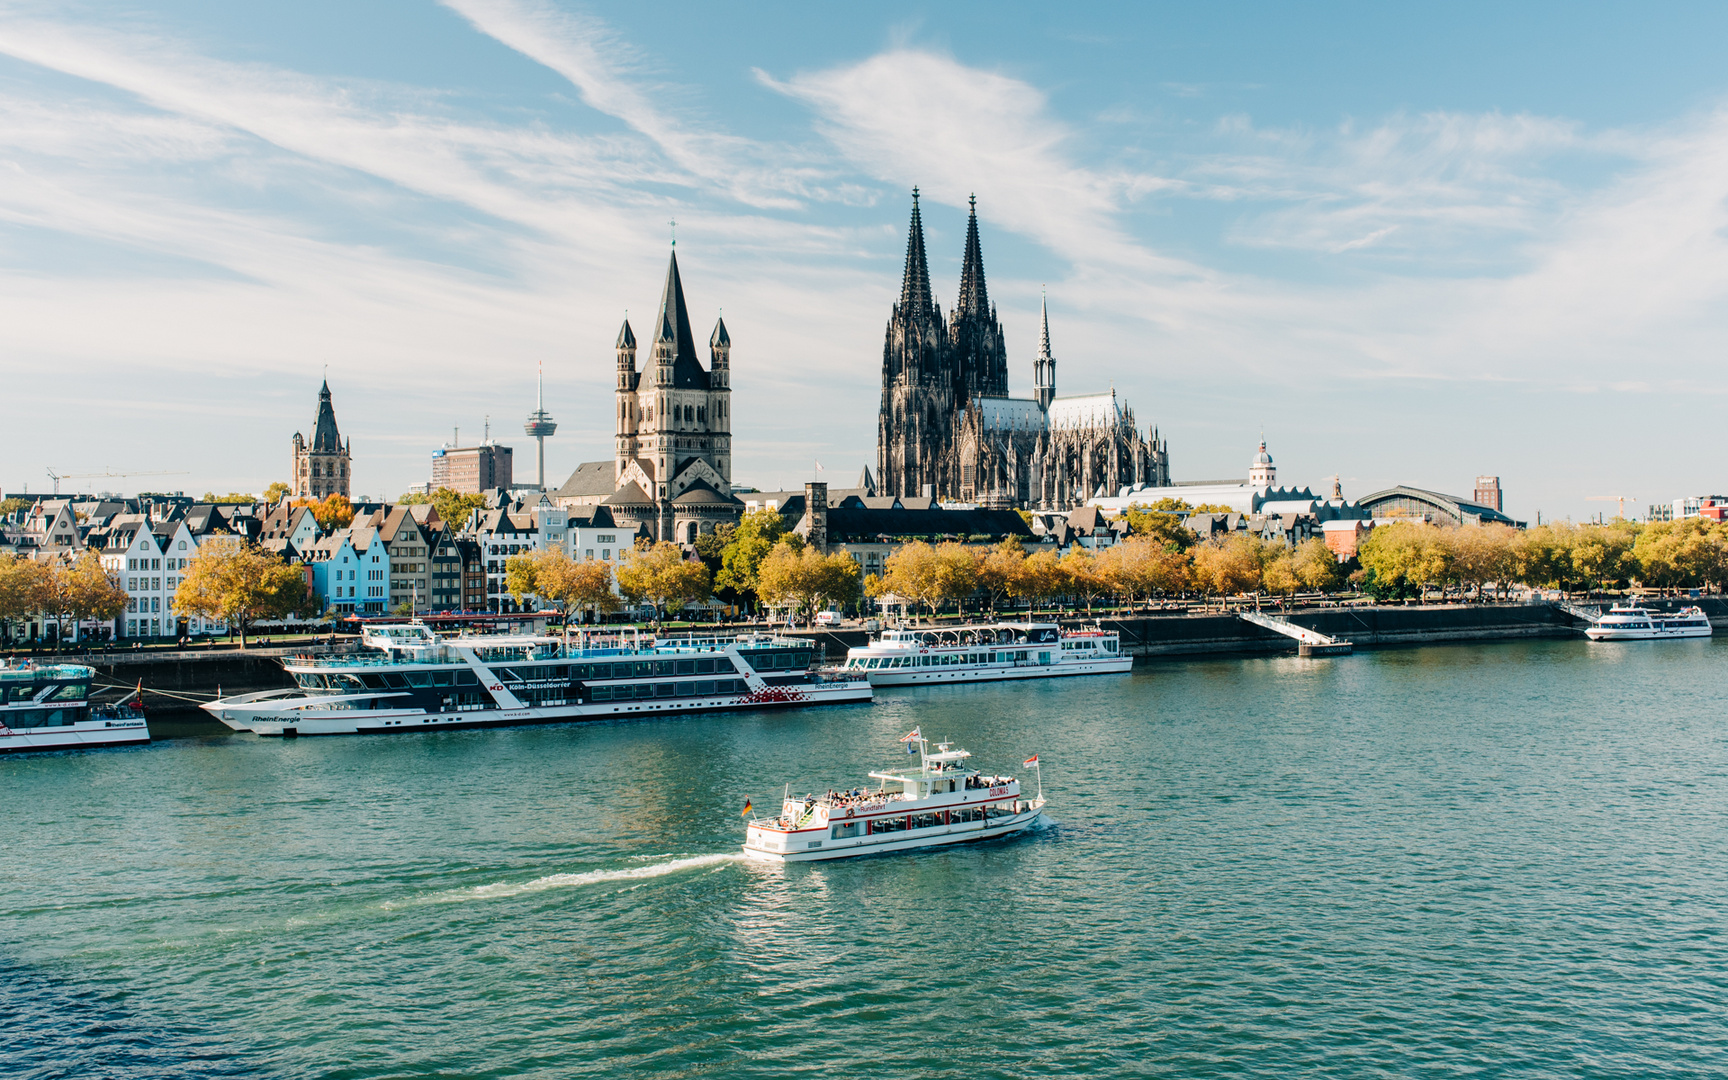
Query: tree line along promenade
[155, 569]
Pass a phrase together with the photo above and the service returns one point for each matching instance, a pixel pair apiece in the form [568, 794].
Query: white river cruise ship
[406, 678]
[1632, 623]
[47, 707]
[913, 656]
[941, 802]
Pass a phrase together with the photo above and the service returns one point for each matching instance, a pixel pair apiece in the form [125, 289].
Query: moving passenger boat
[942, 802]
[47, 707]
[406, 678]
[943, 654]
[1628, 622]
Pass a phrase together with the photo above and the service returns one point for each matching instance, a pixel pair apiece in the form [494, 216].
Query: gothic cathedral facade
[948, 428]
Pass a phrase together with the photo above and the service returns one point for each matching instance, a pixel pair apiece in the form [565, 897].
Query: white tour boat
[1628, 622]
[912, 656]
[942, 802]
[47, 707]
[406, 678]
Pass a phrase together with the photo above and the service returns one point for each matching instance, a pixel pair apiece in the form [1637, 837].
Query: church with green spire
[948, 428]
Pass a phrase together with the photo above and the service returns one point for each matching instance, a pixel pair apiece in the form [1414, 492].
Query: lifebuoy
[850, 811]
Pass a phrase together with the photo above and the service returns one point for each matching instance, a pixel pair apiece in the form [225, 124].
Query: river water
[1498, 860]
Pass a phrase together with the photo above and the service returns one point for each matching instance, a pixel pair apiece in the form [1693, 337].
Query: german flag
[747, 809]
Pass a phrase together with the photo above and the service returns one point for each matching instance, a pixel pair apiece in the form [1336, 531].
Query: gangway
[1310, 642]
[1588, 614]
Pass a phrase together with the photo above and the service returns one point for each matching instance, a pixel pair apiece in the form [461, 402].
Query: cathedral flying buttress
[948, 428]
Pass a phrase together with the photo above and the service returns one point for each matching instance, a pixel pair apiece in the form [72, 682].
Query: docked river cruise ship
[1631, 623]
[913, 656]
[47, 707]
[941, 802]
[405, 678]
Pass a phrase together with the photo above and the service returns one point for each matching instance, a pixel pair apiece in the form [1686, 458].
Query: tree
[455, 507]
[911, 572]
[242, 585]
[332, 512]
[748, 545]
[1481, 554]
[1228, 566]
[233, 498]
[662, 576]
[1403, 558]
[1162, 522]
[1143, 565]
[998, 569]
[1085, 582]
[956, 572]
[1316, 567]
[13, 505]
[803, 579]
[1278, 576]
[87, 590]
[554, 576]
[1042, 577]
[277, 491]
[1602, 554]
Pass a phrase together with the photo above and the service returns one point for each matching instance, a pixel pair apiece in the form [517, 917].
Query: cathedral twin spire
[970, 356]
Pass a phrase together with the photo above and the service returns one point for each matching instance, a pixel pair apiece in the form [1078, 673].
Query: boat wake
[502, 889]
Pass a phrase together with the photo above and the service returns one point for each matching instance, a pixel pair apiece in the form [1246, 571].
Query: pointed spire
[915, 284]
[973, 298]
[720, 339]
[626, 338]
[1044, 334]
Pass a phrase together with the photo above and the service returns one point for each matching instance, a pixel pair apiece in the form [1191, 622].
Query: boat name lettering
[998, 791]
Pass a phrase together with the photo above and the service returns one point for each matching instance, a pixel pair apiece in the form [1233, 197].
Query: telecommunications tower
[540, 426]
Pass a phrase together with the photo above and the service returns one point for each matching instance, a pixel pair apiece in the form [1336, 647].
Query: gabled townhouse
[294, 524]
[410, 544]
[500, 535]
[351, 571]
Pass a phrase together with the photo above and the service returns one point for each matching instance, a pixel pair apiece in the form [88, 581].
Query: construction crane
[57, 477]
[1621, 499]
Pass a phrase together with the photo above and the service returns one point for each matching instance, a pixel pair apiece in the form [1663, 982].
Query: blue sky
[1410, 245]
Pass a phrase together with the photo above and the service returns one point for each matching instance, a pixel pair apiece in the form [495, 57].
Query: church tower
[1044, 368]
[1262, 474]
[321, 467]
[980, 357]
[674, 423]
[918, 382]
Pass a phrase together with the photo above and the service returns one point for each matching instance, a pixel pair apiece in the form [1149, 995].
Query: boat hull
[1120, 665]
[269, 719]
[936, 836]
[85, 735]
[1597, 633]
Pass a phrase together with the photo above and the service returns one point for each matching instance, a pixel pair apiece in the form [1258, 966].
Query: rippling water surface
[1458, 861]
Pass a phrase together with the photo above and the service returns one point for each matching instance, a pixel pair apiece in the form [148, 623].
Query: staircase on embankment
[1309, 642]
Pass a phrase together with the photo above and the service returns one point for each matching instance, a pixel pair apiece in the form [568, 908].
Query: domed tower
[1262, 474]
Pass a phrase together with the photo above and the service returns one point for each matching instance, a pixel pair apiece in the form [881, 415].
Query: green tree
[243, 585]
[233, 498]
[741, 557]
[1163, 522]
[662, 576]
[556, 577]
[13, 505]
[1403, 558]
[1602, 554]
[277, 491]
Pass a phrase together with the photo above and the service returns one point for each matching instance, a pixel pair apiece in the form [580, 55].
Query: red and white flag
[1031, 761]
[912, 736]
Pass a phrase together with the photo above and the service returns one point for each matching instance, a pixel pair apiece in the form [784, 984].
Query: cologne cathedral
[949, 429]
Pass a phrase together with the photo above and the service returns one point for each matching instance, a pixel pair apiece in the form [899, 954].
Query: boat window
[418, 678]
[443, 678]
[665, 689]
[705, 688]
[705, 666]
[686, 667]
[665, 667]
[686, 689]
[394, 680]
[71, 692]
[372, 679]
[309, 680]
[467, 678]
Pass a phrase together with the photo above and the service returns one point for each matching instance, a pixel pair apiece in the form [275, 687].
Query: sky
[1408, 245]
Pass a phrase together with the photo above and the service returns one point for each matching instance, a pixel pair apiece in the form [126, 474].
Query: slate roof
[864, 525]
[702, 494]
[590, 478]
[325, 438]
[630, 494]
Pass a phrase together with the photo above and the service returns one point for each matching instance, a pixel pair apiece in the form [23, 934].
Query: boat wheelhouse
[912, 656]
[942, 802]
[47, 707]
[406, 678]
[1629, 622]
